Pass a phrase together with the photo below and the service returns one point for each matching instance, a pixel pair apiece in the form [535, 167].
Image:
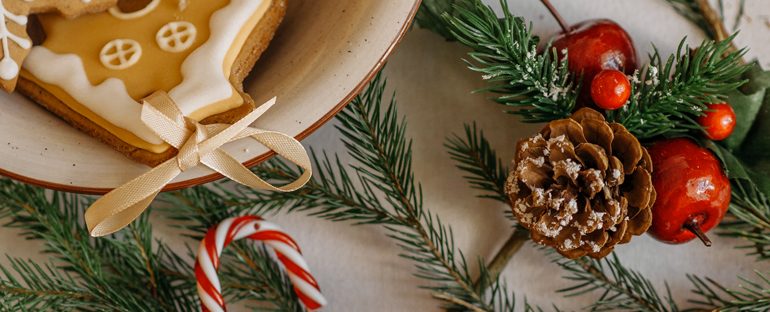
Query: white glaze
[9, 69]
[117, 13]
[203, 83]
[108, 99]
[176, 36]
[126, 52]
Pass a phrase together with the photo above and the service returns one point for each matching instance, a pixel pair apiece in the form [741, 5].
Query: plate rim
[256, 160]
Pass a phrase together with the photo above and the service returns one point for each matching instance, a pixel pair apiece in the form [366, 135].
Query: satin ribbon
[197, 144]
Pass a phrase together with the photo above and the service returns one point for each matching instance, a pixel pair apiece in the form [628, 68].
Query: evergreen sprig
[535, 85]
[749, 207]
[484, 170]
[621, 288]
[123, 273]
[126, 272]
[253, 275]
[668, 96]
[379, 188]
[752, 295]
[247, 273]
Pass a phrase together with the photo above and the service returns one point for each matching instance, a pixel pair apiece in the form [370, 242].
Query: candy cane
[252, 227]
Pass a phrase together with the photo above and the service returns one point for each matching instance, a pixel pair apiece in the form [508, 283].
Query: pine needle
[378, 188]
[534, 85]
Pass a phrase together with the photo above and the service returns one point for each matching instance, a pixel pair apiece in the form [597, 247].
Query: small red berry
[718, 122]
[610, 89]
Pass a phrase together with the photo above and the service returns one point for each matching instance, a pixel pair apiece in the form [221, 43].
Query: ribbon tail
[282, 144]
[123, 205]
[234, 170]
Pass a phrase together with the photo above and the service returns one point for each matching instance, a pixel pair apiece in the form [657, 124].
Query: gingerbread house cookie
[14, 18]
[95, 70]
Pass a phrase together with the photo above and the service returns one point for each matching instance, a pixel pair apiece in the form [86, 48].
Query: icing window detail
[120, 54]
[116, 12]
[176, 36]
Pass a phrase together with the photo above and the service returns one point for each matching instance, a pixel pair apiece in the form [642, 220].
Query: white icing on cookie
[120, 54]
[110, 100]
[204, 82]
[117, 13]
[176, 36]
[9, 69]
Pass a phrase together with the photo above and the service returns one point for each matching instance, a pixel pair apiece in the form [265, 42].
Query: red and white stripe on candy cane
[252, 227]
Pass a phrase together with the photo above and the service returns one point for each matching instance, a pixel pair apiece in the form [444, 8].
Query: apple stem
[694, 227]
[556, 15]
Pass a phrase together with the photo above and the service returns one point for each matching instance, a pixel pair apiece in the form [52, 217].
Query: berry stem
[556, 15]
[694, 227]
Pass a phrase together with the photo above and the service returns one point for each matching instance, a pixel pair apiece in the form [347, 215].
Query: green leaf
[759, 79]
[759, 176]
[746, 109]
[732, 165]
[755, 148]
[747, 103]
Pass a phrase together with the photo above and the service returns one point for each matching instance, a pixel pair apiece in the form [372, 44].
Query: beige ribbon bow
[197, 144]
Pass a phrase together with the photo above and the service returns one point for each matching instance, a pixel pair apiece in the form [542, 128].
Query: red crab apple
[693, 191]
[592, 46]
[596, 45]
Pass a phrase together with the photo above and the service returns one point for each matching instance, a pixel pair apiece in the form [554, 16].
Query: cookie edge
[258, 41]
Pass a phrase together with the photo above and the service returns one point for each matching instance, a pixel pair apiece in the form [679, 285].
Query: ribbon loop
[197, 144]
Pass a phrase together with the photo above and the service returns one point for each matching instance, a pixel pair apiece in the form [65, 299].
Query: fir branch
[536, 86]
[485, 171]
[429, 16]
[749, 206]
[247, 273]
[257, 265]
[752, 295]
[752, 210]
[41, 288]
[126, 272]
[667, 97]
[621, 288]
[90, 275]
[379, 188]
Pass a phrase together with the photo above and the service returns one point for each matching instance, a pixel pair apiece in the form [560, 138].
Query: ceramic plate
[323, 54]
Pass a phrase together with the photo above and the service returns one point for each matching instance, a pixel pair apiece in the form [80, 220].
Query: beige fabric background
[358, 266]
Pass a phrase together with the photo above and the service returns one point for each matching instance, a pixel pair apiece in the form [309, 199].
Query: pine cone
[582, 185]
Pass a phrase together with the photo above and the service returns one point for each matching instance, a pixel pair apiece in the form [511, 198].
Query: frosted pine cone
[582, 185]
